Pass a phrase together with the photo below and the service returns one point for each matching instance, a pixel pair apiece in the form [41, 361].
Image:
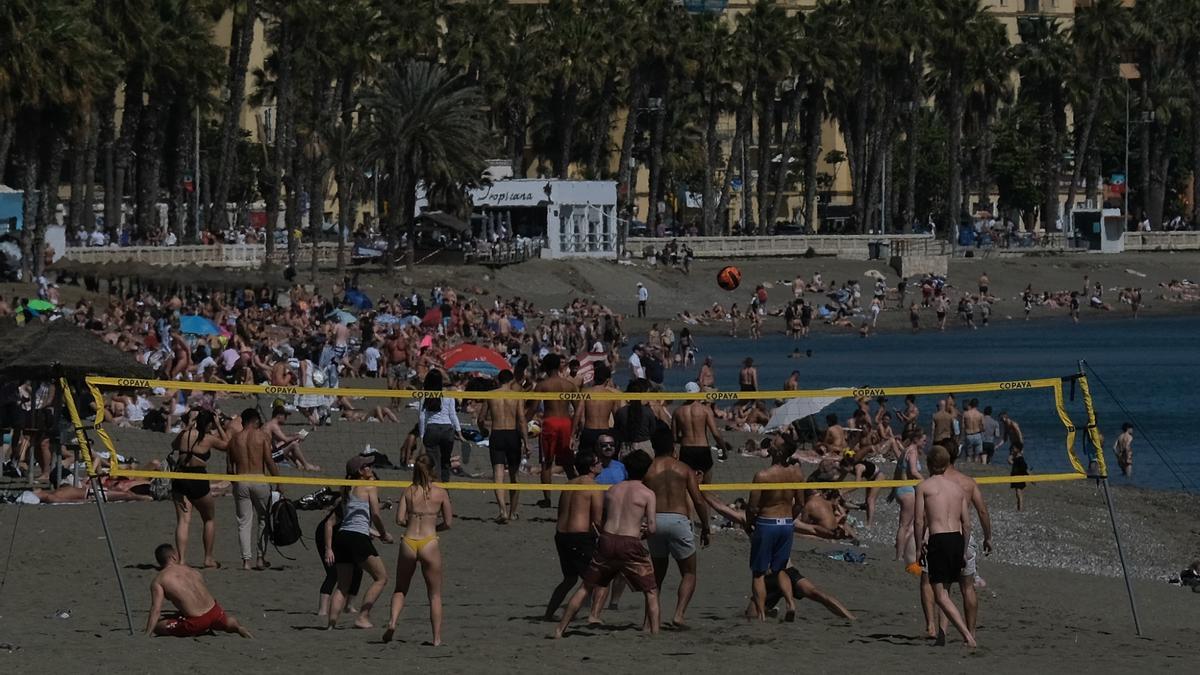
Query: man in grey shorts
[676, 491]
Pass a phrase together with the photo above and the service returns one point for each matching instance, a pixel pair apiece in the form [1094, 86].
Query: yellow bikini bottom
[417, 544]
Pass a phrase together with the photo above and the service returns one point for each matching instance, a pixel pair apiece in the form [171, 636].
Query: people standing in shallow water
[418, 510]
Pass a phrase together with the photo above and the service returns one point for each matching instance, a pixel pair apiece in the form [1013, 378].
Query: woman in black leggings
[330, 582]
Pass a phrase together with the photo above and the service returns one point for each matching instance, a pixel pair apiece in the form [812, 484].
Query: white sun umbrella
[799, 408]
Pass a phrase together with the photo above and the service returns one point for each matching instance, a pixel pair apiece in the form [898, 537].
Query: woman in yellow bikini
[418, 511]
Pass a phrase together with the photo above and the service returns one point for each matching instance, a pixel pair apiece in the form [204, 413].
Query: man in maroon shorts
[620, 549]
[558, 424]
[199, 613]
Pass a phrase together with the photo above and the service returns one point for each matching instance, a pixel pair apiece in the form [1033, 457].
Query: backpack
[283, 524]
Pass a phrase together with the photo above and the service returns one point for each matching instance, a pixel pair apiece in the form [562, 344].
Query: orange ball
[729, 278]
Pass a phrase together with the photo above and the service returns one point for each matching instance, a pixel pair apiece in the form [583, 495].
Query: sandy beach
[1053, 594]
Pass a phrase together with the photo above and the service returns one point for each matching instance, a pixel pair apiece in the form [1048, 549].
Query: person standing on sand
[194, 447]
[692, 423]
[594, 418]
[558, 422]
[707, 379]
[1123, 449]
[579, 512]
[643, 295]
[418, 510]
[984, 285]
[942, 513]
[1016, 457]
[677, 493]
[507, 442]
[629, 516]
[966, 583]
[199, 614]
[940, 304]
[250, 453]
[1074, 307]
[770, 514]
[350, 545]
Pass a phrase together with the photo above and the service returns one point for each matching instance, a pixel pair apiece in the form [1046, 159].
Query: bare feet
[363, 621]
[940, 641]
[211, 564]
[389, 633]
[790, 616]
[558, 633]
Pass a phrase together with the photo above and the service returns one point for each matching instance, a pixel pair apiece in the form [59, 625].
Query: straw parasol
[33, 351]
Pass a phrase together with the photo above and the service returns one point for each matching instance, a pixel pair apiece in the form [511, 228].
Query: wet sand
[1051, 598]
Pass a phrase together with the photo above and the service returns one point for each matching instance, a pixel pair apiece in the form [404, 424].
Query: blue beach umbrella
[342, 316]
[475, 366]
[358, 299]
[387, 319]
[194, 324]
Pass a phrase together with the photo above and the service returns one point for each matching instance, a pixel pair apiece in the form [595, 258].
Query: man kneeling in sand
[199, 613]
[943, 512]
[629, 516]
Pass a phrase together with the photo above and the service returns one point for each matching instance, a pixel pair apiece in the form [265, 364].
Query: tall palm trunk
[149, 158]
[180, 154]
[954, 198]
[567, 102]
[602, 129]
[910, 172]
[235, 86]
[8, 129]
[785, 151]
[712, 155]
[87, 217]
[279, 161]
[29, 203]
[516, 118]
[658, 133]
[637, 96]
[1083, 147]
[123, 152]
[812, 152]
[1196, 145]
[48, 199]
[79, 145]
[107, 149]
[736, 154]
[766, 137]
[1144, 144]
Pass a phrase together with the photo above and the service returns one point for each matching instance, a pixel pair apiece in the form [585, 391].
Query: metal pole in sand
[97, 494]
[1101, 477]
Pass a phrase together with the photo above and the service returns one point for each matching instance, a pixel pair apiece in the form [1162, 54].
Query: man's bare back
[972, 421]
[674, 485]
[250, 452]
[769, 503]
[184, 588]
[693, 422]
[629, 509]
[597, 414]
[556, 408]
[579, 510]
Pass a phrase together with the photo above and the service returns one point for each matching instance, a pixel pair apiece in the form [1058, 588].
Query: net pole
[97, 494]
[1101, 477]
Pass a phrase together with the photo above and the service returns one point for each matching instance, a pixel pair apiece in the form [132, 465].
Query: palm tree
[245, 15]
[1098, 35]
[1043, 61]
[964, 36]
[425, 127]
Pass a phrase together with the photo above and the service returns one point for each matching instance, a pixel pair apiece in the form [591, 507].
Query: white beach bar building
[574, 218]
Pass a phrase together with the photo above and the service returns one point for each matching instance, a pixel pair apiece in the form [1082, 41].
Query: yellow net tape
[1054, 384]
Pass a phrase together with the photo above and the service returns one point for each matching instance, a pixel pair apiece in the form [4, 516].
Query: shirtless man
[395, 350]
[286, 446]
[692, 423]
[706, 379]
[834, 439]
[580, 514]
[629, 515]
[595, 418]
[677, 492]
[1010, 432]
[557, 425]
[339, 334]
[972, 427]
[1122, 448]
[507, 442]
[966, 582]
[250, 453]
[943, 424]
[281, 374]
[943, 513]
[769, 520]
[199, 614]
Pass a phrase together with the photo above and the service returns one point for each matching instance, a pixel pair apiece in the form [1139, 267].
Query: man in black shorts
[507, 440]
[692, 423]
[580, 513]
[943, 513]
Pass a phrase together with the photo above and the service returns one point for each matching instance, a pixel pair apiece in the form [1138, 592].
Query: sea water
[1150, 365]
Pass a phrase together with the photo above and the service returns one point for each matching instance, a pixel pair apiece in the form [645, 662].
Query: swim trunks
[774, 594]
[504, 446]
[575, 551]
[192, 489]
[672, 536]
[618, 554]
[192, 626]
[555, 441]
[974, 444]
[944, 557]
[972, 557]
[352, 548]
[698, 457]
[770, 545]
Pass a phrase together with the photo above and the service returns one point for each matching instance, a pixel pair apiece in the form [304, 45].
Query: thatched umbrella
[33, 351]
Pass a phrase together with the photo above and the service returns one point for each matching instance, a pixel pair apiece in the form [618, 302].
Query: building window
[1031, 6]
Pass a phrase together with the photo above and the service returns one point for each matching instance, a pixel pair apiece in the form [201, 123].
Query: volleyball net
[349, 438]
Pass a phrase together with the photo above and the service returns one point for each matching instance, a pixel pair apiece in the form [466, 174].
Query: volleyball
[729, 277]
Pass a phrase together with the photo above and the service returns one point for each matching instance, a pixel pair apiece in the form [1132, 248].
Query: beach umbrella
[33, 351]
[194, 324]
[586, 361]
[387, 319]
[516, 324]
[470, 358]
[39, 305]
[798, 408]
[432, 318]
[342, 316]
[358, 299]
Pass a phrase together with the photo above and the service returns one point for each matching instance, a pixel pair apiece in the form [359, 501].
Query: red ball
[729, 277]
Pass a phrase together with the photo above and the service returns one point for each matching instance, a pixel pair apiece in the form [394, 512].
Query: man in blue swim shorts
[769, 516]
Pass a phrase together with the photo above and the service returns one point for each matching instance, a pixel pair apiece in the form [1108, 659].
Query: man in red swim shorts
[199, 613]
[558, 423]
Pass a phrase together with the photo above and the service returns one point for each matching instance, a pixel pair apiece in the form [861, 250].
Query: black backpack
[283, 524]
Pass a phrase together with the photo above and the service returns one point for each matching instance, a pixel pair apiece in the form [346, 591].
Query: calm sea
[1149, 364]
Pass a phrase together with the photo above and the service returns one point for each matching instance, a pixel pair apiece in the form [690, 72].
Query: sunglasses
[608, 445]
